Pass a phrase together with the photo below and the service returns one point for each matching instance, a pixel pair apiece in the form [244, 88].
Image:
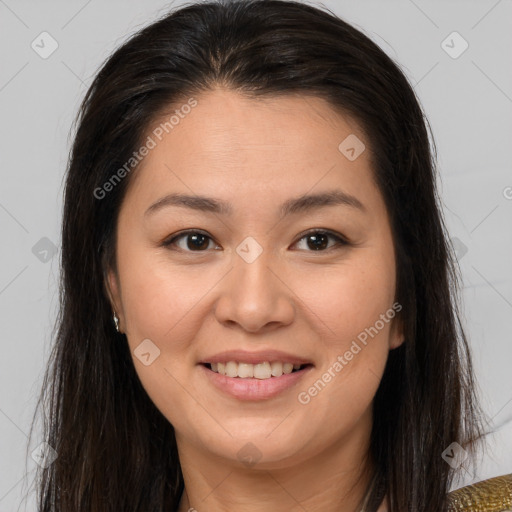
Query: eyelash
[341, 241]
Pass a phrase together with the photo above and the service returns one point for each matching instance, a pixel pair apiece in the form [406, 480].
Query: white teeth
[262, 371]
[276, 368]
[231, 369]
[287, 367]
[245, 370]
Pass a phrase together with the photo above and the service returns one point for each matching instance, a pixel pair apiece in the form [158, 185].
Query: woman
[258, 298]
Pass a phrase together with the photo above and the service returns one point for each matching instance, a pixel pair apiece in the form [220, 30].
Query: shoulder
[493, 495]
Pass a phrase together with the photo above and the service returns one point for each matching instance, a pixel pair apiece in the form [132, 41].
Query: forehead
[270, 145]
[227, 122]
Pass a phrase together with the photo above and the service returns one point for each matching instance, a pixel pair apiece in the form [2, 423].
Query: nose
[255, 295]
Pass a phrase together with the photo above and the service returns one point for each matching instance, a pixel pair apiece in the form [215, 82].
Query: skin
[190, 303]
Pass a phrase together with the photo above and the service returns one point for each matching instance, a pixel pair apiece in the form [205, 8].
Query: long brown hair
[116, 451]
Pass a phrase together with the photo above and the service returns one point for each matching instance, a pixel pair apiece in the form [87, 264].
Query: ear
[113, 291]
[396, 334]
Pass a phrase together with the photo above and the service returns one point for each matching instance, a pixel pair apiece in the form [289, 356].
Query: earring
[116, 321]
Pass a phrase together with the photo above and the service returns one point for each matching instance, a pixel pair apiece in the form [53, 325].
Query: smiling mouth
[261, 371]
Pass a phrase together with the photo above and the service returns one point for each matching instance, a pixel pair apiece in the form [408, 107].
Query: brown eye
[318, 240]
[195, 241]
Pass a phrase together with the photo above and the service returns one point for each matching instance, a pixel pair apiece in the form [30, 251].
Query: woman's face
[255, 282]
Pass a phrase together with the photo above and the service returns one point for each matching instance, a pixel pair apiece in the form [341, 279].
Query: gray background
[468, 101]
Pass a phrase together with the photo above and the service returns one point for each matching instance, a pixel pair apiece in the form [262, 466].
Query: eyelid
[322, 231]
[340, 239]
[180, 234]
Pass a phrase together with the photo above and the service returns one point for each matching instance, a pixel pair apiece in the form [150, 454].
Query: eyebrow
[296, 205]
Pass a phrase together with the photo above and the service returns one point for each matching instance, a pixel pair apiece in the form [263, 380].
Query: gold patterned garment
[493, 495]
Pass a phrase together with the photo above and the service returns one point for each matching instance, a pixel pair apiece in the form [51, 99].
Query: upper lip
[243, 356]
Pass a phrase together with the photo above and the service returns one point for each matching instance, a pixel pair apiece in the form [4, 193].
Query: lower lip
[254, 389]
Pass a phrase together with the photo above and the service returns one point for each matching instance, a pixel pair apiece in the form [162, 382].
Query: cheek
[353, 307]
[158, 297]
[345, 299]
[160, 303]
